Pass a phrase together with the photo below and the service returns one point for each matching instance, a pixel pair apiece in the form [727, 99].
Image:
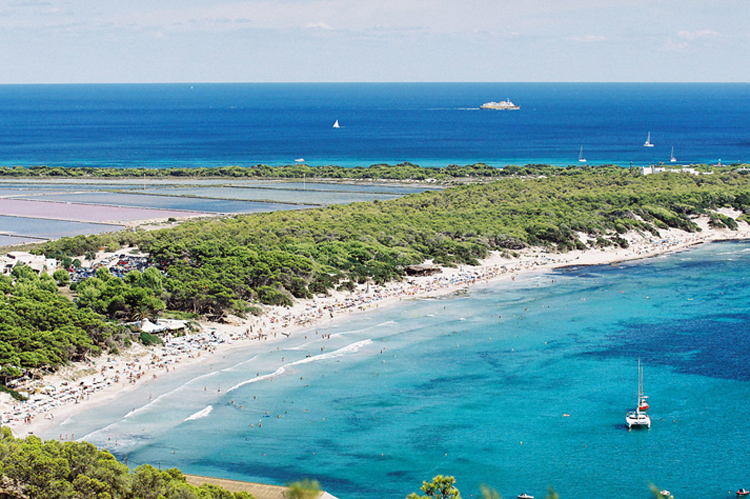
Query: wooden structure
[422, 270]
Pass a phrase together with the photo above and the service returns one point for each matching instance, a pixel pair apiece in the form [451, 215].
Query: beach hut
[422, 270]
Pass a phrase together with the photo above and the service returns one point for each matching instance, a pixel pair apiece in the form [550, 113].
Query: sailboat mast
[640, 379]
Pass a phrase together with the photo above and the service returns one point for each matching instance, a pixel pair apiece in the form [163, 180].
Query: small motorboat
[742, 492]
[525, 496]
[665, 493]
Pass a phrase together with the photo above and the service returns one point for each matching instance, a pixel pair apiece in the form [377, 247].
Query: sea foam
[200, 414]
[349, 349]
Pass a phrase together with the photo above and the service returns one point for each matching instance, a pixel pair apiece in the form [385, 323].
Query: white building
[162, 326]
[647, 170]
[38, 263]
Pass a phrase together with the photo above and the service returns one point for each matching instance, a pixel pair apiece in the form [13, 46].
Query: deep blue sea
[431, 124]
[519, 385]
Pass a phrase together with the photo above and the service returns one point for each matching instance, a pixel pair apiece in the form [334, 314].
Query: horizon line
[353, 82]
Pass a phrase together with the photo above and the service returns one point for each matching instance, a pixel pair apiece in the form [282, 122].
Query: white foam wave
[169, 393]
[207, 375]
[364, 331]
[349, 349]
[277, 372]
[239, 364]
[200, 414]
[91, 437]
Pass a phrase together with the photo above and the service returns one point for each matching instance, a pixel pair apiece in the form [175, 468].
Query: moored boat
[525, 496]
[742, 492]
[639, 417]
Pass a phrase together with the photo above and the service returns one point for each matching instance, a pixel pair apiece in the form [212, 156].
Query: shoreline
[80, 387]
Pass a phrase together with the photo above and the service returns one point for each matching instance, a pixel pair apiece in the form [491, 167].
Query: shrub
[149, 339]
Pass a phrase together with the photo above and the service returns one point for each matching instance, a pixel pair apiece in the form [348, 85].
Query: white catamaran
[639, 417]
[648, 141]
[672, 159]
[580, 156]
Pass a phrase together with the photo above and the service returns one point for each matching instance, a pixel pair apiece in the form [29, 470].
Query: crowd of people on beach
[117, 371]
[107, 372]
[43, 399]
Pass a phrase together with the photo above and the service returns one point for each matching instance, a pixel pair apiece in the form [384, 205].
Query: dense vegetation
[401, 171]
[134, 297]
[220, 265]
[30, 468]
[42, 328]
[225, 265]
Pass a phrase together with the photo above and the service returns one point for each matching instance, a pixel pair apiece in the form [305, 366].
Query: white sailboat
[648, 141]
[639, 416]
[581, 159]
[336, 125]
[672, 159]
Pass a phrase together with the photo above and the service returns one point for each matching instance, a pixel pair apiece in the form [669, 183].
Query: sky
[149, 41]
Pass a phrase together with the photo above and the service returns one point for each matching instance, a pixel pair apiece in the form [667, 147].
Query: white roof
[149, 327]
[161, 325]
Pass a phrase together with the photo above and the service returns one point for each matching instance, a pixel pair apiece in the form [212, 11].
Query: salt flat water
[294, 197]
[431, 124]
[519, 385]
[191, 195]
[168, 202]
[31, 228]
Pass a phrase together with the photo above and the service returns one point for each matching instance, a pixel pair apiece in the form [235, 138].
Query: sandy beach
[80, 387]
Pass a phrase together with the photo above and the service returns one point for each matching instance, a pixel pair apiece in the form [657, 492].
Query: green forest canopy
[219, 265]
[224, 265]
[42, 328]
[401, 171]
[380, 171]
[31, 468]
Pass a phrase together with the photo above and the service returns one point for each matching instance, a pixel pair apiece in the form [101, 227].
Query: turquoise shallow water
[476, 385]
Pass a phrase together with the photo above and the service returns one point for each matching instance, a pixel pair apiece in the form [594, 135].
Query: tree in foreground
[303, 489]
[489, 493]
[31, 469]
[441, 487]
